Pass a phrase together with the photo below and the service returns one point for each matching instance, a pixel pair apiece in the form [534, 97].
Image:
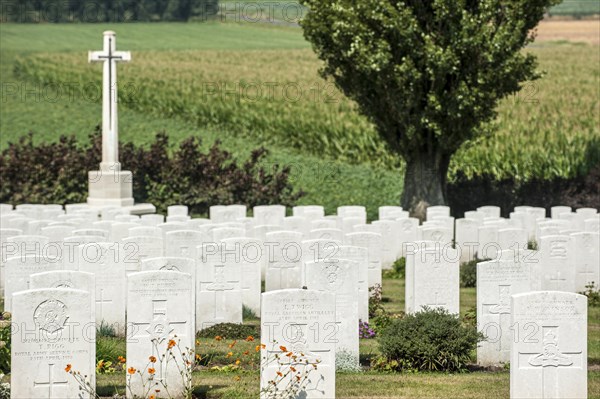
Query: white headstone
[18, 270]
[56, 329]
[152, 219]
[432, 278]
[557, 263]
[340, 277]
[222, 233]
[140, 248]
[548, 357]
[490, 211]
[586, 259]
[68, 279]
[302, 322]
[177, 210]
[108, 263]
[555, 211]
[512, 238]
[373, 243]
[269, 214]
[250, 257]
[218, 290]
[183, 243]
[497, 280]
[408, 233]
[390, 212]
[150, 231]
[310, 212]
[359, 255]
[163, 311]
[467, 238]
[389, 230]
[284, 260]
[326, 234]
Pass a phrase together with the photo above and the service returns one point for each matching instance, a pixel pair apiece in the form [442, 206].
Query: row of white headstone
[436, 285]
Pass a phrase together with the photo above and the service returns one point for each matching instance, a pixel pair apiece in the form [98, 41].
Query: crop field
[251, 84]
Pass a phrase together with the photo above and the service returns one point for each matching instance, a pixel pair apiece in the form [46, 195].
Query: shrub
[398, 269]
[4, 388]
[109, 349]
[346, 361]
[593, 294]
[57, 173]
[429, 340]
[5, 334]
[229, 331]
[468, 274]
[248, 314]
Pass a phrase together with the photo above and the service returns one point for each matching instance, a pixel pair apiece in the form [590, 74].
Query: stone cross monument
[110, 186]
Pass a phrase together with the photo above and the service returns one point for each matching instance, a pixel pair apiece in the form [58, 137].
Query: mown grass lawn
[244, 381]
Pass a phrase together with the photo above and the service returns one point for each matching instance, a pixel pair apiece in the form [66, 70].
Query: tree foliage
[428, 74]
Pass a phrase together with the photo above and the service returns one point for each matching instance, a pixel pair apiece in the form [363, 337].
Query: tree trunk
[425, 182]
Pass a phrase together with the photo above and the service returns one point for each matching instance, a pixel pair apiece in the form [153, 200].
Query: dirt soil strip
[586, 31]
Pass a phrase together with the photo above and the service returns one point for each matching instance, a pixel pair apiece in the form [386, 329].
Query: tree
[428, 74]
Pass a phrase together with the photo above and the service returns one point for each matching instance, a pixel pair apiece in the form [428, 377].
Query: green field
[250, 84]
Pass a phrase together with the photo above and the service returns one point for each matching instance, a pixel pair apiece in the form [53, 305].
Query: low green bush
[468, 274]
[398, 269]
[229, 331]
[5, 334]
[593, 294]
[57, 173]
[429, 340]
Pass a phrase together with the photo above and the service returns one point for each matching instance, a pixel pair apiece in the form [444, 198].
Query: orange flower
[293, 369]
[131, 370]
[246, 353]
[283, 348]
[263, 346]
[151, 397]
[152, 359]
[171, 343]
[218, 338]
[151, 370]
[257, 348]
[289, 354]
[121, 359]
[229, 354]
[231, 345]
[198, 357]
[250, 338]
[68, 368]
[279, 374]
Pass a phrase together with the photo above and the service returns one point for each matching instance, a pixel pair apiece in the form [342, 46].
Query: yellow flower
[237, 362]
[151, 397]
[198, 357]
[152, 359]
[131, 370]
[257, 348]
[237, 378]
[229, 354]
[68, 368]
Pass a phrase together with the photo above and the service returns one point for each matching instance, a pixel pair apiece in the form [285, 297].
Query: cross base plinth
[110, 188]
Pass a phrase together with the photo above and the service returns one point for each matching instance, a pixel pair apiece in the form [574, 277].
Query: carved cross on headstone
[437, 302]
[110, 131]
[50, 383]
[100, 301]
[219, 286]
[502, 309]
[557, 280]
